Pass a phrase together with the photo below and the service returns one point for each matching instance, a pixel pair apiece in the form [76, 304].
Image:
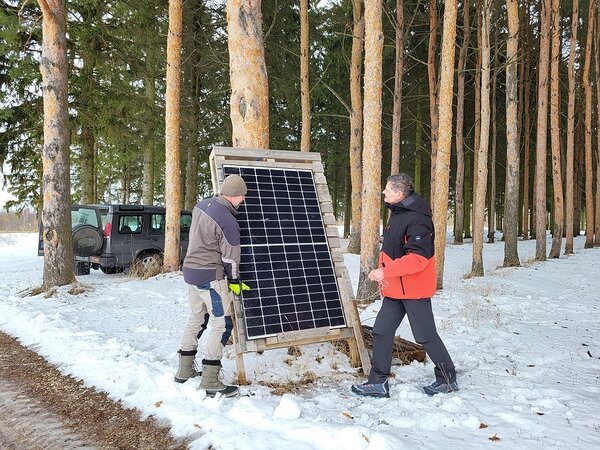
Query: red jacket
[407, 254]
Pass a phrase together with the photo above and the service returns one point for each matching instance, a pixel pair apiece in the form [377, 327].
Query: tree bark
[371, 194]
[459, 195]
[56, 212]
[542, 134]
[304, 80]
[418, 142]
[442, 164]
[597, 64]
[492, 159]
[433, 95]
[482, 157]
[356, 125]
[397, 111]
[570, 200]
[172, 140]
[511, 196]
[557, 189]
[587, 88]
[248, 73]
[149, 148]
[527, 127]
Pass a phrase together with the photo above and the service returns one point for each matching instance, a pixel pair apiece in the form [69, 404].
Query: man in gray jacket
[211, 269]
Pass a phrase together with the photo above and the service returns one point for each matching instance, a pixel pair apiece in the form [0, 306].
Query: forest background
[520, 119]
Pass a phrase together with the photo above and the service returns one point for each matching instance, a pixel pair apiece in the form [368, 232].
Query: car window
[157, 224]
[130, 224]
[84, 216]
[186, 221]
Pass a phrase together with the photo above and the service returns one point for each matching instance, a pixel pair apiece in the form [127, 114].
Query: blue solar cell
[285, 255]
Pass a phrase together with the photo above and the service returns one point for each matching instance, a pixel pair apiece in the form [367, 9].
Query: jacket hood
[411, 203]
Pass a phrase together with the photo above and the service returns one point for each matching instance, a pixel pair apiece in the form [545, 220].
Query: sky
[524, 341]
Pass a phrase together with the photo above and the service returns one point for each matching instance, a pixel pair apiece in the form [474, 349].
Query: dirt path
[42, 409]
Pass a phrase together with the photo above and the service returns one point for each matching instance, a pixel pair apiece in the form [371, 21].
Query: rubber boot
[186, 366]
[211, 382]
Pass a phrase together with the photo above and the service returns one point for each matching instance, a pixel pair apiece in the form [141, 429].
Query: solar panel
[285, 257]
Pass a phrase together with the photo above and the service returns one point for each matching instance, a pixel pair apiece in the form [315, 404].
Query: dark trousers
[422, 324]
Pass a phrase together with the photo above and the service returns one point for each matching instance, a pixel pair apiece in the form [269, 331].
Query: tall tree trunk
[459, 199]
[150, 144]
[88, 168]
[172, 141]
[597, 64]
[88, 138]
[418, 142]
[511, 196]
[468, 193]
[304, 83]
[570, 200]
[56, 212]
[587, 88]
[356, 125]
[477, 105]
[482, 157]
[542, 134]
[557, 229]
[442, 165]
[492, 164]
[433, 95]
[248, 74]
[397, 114]
[527, 129]
[371, 194]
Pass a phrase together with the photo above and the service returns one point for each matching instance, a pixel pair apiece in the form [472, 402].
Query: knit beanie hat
[233, 186]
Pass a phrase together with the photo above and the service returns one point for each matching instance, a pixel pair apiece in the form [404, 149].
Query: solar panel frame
[286, 259]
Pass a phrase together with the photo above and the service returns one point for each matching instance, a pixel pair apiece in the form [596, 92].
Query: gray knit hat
[233, 186]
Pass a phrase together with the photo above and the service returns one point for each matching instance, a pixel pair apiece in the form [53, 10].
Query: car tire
[82, 268]
[149, 262]
[111, 270]
[87, 240]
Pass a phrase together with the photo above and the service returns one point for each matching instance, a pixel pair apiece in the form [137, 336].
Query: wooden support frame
[352, 333]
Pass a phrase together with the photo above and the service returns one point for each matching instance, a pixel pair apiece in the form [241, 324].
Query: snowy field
[525, 342]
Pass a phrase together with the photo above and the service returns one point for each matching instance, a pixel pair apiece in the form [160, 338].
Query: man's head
[234, 189]
[398, 187]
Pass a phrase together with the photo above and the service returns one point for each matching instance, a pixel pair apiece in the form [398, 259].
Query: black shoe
[380, 390]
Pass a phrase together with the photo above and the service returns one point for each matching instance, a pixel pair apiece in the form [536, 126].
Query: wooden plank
[320, 178]
[332, 231]
[329, 219]
[280, 155]
[326, 207]
[269, 165]
[315, 336]
[334, 242]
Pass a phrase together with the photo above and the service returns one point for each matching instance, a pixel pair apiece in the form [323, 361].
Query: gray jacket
[214, 248]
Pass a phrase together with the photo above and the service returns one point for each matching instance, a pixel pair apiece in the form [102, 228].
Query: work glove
[236, 286]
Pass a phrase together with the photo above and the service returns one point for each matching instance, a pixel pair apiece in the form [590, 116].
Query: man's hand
[236, 286]
[376, 275]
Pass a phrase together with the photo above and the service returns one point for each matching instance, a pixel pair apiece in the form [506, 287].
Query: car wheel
[82, 268]
[87, 240]
[111, 270]
[149, 262]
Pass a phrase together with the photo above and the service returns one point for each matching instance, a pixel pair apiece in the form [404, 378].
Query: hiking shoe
[438, 387]
[372, 389]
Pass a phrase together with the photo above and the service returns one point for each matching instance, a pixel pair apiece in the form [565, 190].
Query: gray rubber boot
[211, 382]
[186, 366]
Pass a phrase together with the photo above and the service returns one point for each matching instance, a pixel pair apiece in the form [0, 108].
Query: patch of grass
[290, 386]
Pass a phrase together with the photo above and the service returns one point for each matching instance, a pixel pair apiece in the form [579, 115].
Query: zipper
[402, 284]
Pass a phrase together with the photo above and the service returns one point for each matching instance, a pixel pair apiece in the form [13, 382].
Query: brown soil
[38, 404]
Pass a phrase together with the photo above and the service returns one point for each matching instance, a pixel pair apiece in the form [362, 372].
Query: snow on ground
[524, 341]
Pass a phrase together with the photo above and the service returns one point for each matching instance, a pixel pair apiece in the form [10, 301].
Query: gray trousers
[212, 303]
[422, 324]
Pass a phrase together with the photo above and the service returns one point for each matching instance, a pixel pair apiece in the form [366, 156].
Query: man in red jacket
[407, 280]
